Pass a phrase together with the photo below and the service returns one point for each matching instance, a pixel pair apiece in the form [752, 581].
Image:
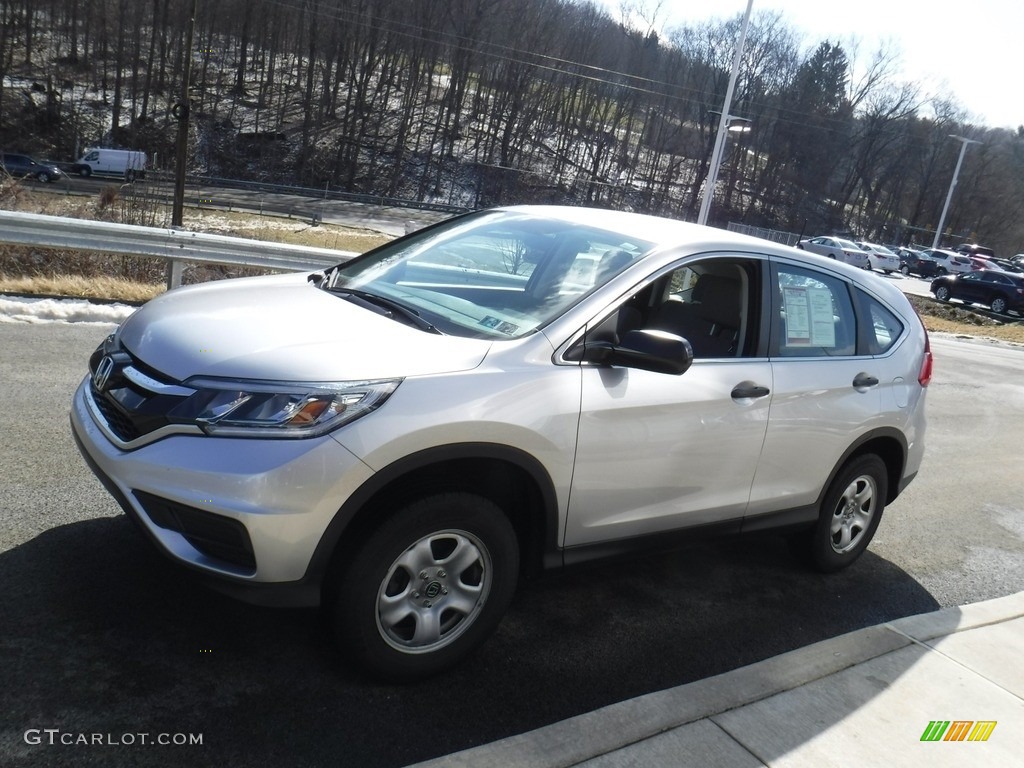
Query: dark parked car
[1008, 266]
[915, 263]
[22, 166]
[975, 250]
[1001, 291]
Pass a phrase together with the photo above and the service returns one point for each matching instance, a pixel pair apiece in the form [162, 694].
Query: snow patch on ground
[14, 309]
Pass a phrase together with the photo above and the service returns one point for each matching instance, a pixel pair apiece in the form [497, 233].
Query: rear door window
[814, 315]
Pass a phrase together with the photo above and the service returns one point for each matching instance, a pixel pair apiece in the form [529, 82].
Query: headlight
[230, 408]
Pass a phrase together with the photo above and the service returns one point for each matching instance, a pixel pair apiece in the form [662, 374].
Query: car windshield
[495, 274]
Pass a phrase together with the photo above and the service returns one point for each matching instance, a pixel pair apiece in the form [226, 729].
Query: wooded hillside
[479, 102]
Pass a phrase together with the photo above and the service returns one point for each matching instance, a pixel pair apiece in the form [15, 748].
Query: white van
[129, 164]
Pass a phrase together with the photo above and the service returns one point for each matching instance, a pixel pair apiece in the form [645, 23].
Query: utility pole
[723, 123]
[952, 185]
[181, 114]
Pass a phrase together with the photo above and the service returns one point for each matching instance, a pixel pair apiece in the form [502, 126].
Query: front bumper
[272, 498]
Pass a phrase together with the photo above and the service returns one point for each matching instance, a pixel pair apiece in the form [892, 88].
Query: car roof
[670, 235]
[663, 232]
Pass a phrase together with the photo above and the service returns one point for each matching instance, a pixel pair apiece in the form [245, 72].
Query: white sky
[972, 51]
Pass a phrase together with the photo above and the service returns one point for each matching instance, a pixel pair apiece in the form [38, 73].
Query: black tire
[43, 176]
[407, 564]
[942, 293]
[999, 305]
[85, 172]
[850, 512]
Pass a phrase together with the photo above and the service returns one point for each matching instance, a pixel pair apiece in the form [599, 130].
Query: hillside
[479, 102]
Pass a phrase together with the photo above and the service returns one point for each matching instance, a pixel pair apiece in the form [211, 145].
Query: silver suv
[400, 436]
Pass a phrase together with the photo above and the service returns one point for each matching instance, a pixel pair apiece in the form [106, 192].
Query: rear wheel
[426, 587]
[849, 515]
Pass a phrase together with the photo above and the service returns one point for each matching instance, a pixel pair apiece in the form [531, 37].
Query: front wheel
[905, 270]
[850, 513]
[942, 293]
[426, 587]
[85, 172]
[999, 305]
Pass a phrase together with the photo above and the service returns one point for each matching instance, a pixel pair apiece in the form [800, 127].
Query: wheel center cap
[433, 589]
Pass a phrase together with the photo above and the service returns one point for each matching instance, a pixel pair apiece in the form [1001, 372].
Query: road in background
[389, 219]
[102, 635]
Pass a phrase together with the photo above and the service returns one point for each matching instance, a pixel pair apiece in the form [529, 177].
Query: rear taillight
[924, 378]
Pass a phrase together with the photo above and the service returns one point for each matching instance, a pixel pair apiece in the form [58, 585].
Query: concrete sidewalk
[862, 699]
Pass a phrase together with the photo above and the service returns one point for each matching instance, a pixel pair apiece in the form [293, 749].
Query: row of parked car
[858, 254]
[930, 262]
[971, 274]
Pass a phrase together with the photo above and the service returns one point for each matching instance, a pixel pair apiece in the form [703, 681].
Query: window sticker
[501, 326]
[809, 321]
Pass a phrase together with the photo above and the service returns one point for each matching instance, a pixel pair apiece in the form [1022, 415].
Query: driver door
[658, 452]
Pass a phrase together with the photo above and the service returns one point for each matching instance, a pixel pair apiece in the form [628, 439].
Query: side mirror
[646, 350]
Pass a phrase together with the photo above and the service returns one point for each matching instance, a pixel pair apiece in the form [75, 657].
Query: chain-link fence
[786, 238]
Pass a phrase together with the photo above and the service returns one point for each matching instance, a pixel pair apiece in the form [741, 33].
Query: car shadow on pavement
[101, 635]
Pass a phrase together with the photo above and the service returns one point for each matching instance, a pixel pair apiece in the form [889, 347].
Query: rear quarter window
[882, 329]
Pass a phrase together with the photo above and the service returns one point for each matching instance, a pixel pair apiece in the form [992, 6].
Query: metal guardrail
[173, 244]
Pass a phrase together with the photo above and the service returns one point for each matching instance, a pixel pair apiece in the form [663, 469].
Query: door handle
[864, 381]
[745, 390]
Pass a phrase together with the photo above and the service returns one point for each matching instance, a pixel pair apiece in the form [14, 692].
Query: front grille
[120, 423]
[216, 536]
[132, 399]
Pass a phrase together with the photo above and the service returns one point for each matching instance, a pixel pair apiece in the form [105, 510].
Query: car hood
[284, 328]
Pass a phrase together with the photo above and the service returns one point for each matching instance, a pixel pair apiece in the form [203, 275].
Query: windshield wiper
[384, 306]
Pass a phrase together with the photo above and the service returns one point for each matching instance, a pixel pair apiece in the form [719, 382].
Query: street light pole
[723, 123]
[952, 185]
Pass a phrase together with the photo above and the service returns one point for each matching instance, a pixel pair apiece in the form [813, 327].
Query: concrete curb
[572, 741]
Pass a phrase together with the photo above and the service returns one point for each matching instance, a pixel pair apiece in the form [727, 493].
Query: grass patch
[79, 287]
[961, 320]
